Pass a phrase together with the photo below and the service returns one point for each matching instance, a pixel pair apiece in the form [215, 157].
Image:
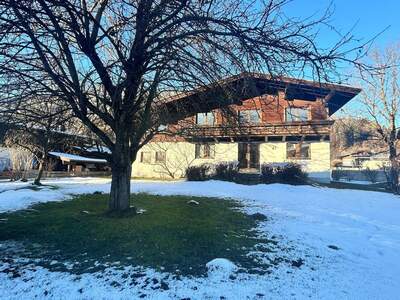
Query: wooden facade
[237, 90]
[271, 98]
[272, 123]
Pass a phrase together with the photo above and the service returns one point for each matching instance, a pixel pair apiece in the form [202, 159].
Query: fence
[357, 174]
[55, 174]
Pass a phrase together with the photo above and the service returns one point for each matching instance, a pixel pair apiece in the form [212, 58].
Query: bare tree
[381, 102]
[183, 158]
[352, 134]
[21, 162]
[113, 61]
[37, 127]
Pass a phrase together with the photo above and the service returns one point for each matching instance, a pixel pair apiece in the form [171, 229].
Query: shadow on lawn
[171, 235]
[32, 187]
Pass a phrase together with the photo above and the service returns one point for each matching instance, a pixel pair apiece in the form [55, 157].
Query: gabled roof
[235, 89]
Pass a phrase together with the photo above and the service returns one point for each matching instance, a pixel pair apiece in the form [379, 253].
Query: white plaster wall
[181, 155]
[375, 164]
[318, 162]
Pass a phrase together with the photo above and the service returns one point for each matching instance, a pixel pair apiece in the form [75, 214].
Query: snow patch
[194, 202]
[220, 269]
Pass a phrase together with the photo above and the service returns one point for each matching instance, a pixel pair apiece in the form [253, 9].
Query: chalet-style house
[251, 119]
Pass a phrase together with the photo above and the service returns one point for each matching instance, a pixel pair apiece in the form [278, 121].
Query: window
[250, 116]
[205, 150]
[145, 157]
[296, 114]
[160, 156]
[298, 151]
[205, 118]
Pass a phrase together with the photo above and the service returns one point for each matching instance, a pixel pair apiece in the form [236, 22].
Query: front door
[249, 156]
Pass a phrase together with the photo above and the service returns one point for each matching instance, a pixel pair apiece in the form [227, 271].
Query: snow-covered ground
[349, 241]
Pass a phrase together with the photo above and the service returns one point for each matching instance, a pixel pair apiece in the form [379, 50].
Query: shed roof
[77, 158]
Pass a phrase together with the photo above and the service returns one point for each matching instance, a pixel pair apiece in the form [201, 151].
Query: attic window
[205, 118]
[295, 114]
[250, 116]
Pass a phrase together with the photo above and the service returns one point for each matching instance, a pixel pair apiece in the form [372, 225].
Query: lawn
[171, 235]
[317, 242]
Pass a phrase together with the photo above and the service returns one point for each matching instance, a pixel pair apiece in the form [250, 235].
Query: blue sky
[369, 16]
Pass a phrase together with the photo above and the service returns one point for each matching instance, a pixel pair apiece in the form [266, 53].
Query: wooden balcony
[302, 129]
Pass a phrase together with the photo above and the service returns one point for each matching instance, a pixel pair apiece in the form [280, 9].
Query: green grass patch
[170, 235]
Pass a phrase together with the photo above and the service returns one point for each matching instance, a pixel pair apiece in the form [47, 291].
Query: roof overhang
[235, 89]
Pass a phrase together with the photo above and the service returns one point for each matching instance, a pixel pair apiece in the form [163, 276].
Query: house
[250, 119]
[5, 160]
[364, 159]
[73, 153]
[77, 163]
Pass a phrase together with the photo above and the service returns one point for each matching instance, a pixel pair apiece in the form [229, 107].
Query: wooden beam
[329, 96]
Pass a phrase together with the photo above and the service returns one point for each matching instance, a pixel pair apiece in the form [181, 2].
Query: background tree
[37, 127]
[352, 133]
[21, 163]
[182, 158]
[115, 61]
[380, 101]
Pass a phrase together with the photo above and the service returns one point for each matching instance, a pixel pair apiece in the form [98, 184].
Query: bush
[198, 173]
[226, 171]
[268, 173]
[290, 173]
[371, 175]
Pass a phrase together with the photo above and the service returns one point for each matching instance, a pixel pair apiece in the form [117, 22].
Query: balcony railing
[309, 128]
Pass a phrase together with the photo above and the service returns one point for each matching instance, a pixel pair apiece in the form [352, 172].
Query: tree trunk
[42, 166]
[40, 174]
[121, 179]
[394, 168]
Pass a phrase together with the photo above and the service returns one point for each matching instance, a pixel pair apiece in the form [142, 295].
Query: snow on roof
[367, 154]
[380, 155]
[77, 158]
[100, 149]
